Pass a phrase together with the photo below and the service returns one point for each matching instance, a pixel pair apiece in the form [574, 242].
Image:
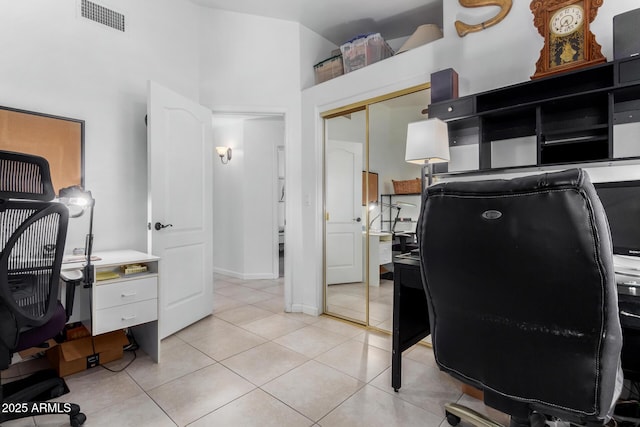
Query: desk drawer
[123, 316]
[386, 253]
[452, 109]
[125, 292]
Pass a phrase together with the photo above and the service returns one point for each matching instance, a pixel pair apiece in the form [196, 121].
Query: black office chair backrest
[32, 236]
[24, 176]
[521, 291]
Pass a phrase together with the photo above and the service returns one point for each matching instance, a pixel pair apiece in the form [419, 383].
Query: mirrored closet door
[366, 222]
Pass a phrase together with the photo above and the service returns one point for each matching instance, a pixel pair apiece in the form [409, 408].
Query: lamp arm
[395, 220]
[374, 218]
[88, 268]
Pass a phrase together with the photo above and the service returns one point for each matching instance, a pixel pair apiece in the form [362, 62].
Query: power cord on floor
[131, 347]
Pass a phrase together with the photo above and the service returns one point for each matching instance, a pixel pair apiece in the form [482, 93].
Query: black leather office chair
[522, 295]
[32, 236]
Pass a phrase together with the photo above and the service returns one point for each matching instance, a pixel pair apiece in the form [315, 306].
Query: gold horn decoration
[464, 28]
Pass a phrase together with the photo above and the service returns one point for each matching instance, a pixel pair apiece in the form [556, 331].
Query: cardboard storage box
[77, 355]
[328, 69]
[26, 353]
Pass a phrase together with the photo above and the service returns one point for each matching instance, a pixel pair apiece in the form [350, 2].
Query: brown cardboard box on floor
[472, 391]
[26, 353]
[77, 355]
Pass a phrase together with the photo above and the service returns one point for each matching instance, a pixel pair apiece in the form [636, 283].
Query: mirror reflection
[345, 216]
[372, 203]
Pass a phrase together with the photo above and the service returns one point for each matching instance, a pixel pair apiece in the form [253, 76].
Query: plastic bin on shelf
[364, 50]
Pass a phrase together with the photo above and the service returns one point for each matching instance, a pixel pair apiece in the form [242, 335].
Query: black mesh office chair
[522, 295]
[32, 236]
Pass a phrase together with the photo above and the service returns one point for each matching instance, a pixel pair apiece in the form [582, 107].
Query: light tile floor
[251, 364]
[349, 300]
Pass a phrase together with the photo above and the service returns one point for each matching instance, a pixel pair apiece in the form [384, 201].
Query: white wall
[228, 230]
[57, 63]
[262, 136]
[498, 56]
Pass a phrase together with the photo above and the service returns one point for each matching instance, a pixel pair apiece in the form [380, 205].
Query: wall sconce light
[224, 152]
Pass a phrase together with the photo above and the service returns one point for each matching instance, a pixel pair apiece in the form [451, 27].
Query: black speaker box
[444, 85]
[626, 34]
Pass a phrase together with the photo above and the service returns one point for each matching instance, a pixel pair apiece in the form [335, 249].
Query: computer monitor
[621, 201]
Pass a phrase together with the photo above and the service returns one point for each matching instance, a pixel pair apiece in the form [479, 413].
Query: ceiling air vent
[102, 15]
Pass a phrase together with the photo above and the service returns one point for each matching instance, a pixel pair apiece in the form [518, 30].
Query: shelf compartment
[626, 106]
[599, 77]
[575, 135]
[510, 124]
[580, 112]
[514, 152]
[583, 150]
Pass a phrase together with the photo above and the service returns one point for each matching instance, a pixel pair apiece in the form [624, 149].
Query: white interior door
[180, 179]
[343, 252]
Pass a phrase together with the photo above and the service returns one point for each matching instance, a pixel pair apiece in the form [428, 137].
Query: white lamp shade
[427, 142]
[222, 151]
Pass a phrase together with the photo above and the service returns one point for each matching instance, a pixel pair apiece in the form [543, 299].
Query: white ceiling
[341, 20]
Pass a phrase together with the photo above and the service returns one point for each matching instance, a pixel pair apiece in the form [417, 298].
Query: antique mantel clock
[568, 41]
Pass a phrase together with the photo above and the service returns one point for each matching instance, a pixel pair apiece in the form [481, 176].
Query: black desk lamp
[78, 201]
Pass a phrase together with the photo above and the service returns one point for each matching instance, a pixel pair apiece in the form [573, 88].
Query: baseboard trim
[238, 275]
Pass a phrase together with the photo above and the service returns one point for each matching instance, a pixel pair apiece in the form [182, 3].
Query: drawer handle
[130, 294]
[626, 313]
[129, 317]
[450, 109]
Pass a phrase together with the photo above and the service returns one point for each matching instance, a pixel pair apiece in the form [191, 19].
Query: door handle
[357, 219]
[159, 226]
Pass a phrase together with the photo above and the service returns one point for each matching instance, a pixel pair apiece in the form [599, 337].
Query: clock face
[566, 38]
[567, 20]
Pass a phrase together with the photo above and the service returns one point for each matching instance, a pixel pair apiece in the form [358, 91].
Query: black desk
[410, 312]
[411, 318]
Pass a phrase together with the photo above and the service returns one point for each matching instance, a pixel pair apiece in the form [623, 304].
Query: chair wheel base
[77, 420]
[453, 420]
[455, 413]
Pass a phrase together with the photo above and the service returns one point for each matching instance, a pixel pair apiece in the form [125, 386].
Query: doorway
[249, 192]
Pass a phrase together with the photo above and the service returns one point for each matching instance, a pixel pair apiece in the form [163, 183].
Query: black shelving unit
[570, 116]
[387, 216]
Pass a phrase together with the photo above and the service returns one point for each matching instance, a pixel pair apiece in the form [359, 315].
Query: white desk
[124, 301]
[380, 253]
